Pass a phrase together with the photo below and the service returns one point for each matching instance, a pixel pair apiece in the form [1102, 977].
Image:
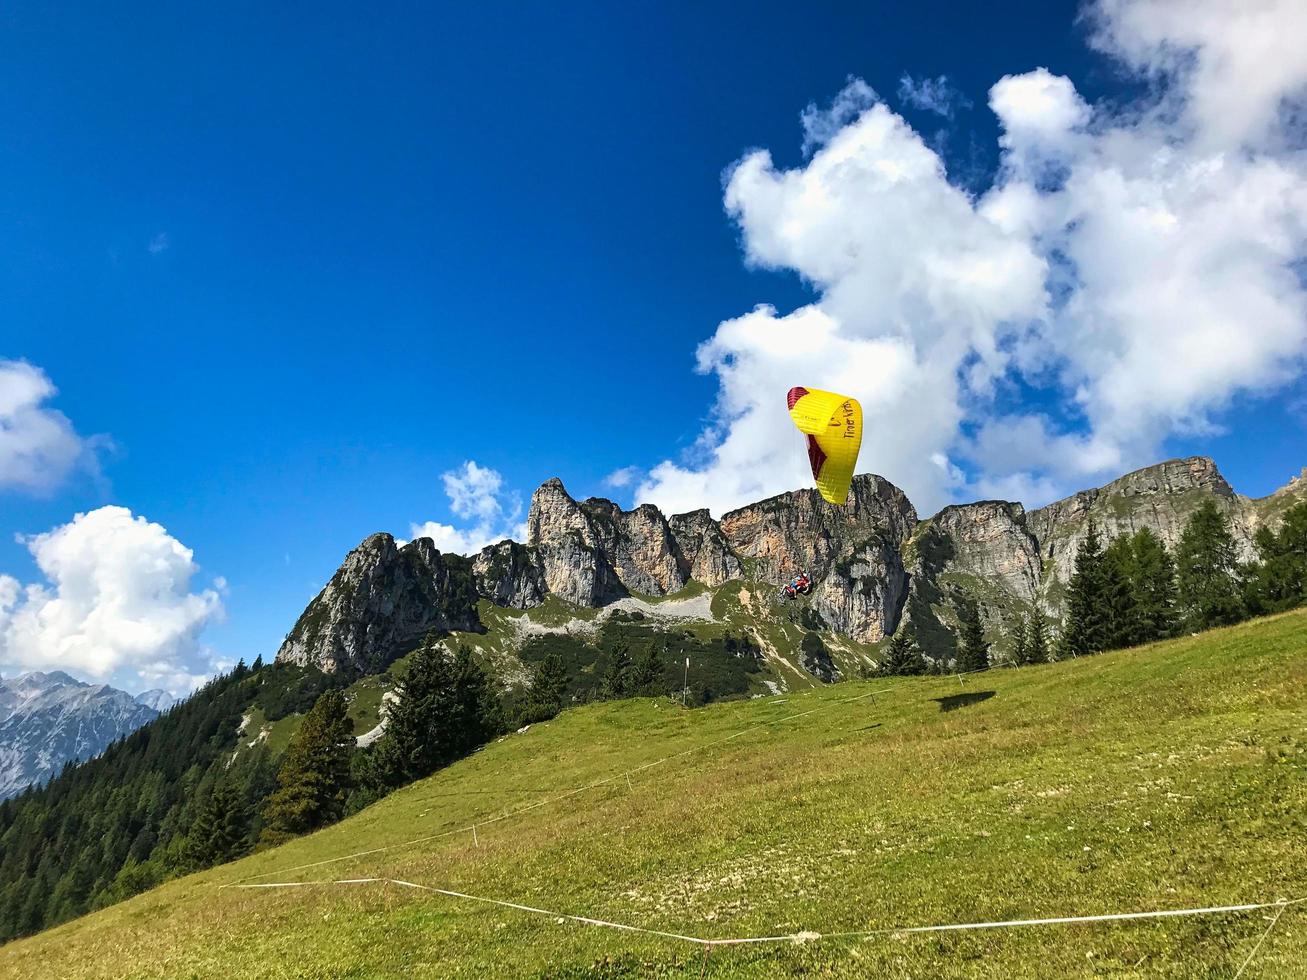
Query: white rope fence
[1279, 905]
[624, 774]
[1274, 921]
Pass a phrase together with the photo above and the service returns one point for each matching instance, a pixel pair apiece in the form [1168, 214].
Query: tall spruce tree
[218, 833]
[1038, 647]
[1279, 580]
[1207, 565]
[443, 709]
[617, 679]
[1152, 579]
[477, 712]
[973, 648]
[1087, 626]
[1019, 634]
[647, 672]
[1122, 627]
[415, 742]
[314, 778]
[901, 656]
[548, 690]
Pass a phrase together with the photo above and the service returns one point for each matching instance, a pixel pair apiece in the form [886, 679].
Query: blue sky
[291, 266]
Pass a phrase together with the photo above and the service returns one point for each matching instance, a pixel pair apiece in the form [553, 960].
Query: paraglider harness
[801, 584]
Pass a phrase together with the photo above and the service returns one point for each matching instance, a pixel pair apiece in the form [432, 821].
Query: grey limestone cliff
[380, 604]
[1013, 562]
[874, 564]
[853, 552]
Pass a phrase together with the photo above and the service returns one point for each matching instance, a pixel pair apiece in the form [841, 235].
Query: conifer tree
[973, 648]
[218, 833]
[901, 656]
[477, 714]
[1038, 647]
[1152, 578]
[1086, 629]
[548, 689]
[442, 710]
[1020, 635]
[1279, 582]
[415, 742]
[256, 780]
[617, 679]
[647, 673]
[313, 780]
[1206, 566]
[1121, 626]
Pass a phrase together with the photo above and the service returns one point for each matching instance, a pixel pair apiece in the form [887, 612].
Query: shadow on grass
[955, 701]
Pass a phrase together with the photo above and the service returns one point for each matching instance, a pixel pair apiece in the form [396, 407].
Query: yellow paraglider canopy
[833, 425]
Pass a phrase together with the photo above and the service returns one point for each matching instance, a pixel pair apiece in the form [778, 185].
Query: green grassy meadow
[1168, 776]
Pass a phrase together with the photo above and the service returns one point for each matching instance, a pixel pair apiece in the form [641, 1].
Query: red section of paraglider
[815, 456]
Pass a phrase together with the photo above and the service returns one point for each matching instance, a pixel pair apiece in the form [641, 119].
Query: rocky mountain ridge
[875, 564]
[48, 719]
[1014, 561]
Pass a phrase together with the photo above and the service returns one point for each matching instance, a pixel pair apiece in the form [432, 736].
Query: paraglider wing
[833, 425]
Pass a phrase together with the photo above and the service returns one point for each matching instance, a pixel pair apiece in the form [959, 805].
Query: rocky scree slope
[874, 563]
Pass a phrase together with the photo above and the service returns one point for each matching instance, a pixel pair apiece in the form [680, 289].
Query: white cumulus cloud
[624, 477]
[1043, 119]
[1233, 69]
[38, 445]
[935, 95]
[1129, 272]
[820, 125]
[116, 605]
[476, 494]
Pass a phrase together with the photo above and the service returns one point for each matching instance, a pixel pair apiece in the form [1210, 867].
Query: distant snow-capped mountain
[47, 719]
[158, 699]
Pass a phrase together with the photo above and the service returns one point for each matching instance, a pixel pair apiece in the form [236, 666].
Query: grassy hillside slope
[1165, 777]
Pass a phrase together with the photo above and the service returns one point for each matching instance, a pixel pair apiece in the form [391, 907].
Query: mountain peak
[156, 698]
[380, 604]
[1296, 485]
[1198, 472]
